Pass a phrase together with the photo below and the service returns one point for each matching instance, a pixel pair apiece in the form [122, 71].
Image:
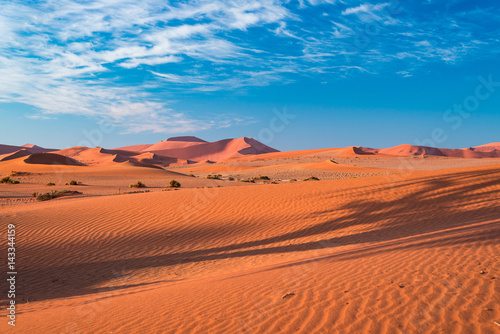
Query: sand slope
[4, 149]
[99, 156]
[14, 155]
[51, 159]
[195, 149]
[486, 147]
[217, 151]
[388, 254]
[488, 151]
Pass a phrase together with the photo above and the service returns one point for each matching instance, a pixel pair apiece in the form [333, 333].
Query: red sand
[409, 251]
[407, 254]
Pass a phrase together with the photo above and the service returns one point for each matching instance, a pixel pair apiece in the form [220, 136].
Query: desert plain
[337, 240]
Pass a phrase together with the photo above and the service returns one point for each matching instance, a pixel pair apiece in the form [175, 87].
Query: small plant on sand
[8, 180]
[230, 178]
[174, 184]
[261, 177]
[139, 184]
[54, 194]
[311, 178]
[293, 180]
[214, 177]
[51, 184]
[247, 180]
[73, 183]
[192, 175]
[35, 194]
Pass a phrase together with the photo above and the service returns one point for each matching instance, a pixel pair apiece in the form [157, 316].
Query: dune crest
[51, 159]
[194, 149]
[15, 155]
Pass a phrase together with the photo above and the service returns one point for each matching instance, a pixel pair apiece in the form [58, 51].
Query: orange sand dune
[15, 155]
[216, 151]
[103, 157]
[486, 147]
[286, 155]
[170, 143]
[388, 254]
[4, 149]
[19, 164]
[353, 151]
[412, 150]
[51, 159]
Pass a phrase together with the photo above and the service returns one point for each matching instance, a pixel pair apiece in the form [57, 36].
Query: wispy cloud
[118, 59]
[365, 8]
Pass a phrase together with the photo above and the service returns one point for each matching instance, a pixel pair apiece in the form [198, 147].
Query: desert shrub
[35, 194]
[247, 180]
[291, 180]
[311, 178]
[53, 194]
[174, 184]
[139, 184]
[73, 183]
[214, 177]
[7, 180]
[192, 175]
[230, 178]
[51, 184]
[261, 177]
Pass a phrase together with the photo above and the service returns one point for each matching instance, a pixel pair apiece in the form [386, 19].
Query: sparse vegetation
[230, 178]
[292, 180]
[51, 184]
[214, 176]
[8, 180]
[247, 180]
[139, 184]
[261, 177]
[174, 184]
[192, 175]
[73, 183]
[311, 178]
[54, 194]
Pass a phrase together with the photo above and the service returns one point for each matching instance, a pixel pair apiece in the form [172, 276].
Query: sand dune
[170, 143]
[195, 149]
[486, 147]
[102, 157]
[385, 255]
[51, 159]
[488, 151]
[218, 151]
[4, 149]
[15, 155]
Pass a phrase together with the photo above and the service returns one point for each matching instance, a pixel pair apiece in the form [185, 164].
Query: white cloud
[75, 57]
[365, 8]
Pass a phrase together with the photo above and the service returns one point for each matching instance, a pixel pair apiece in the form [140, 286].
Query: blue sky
[347, 72]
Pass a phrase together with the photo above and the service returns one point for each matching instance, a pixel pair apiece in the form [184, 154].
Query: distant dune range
[178, 151]
[484, 151]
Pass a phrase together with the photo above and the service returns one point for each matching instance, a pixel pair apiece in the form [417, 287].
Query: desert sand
[382, 243]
